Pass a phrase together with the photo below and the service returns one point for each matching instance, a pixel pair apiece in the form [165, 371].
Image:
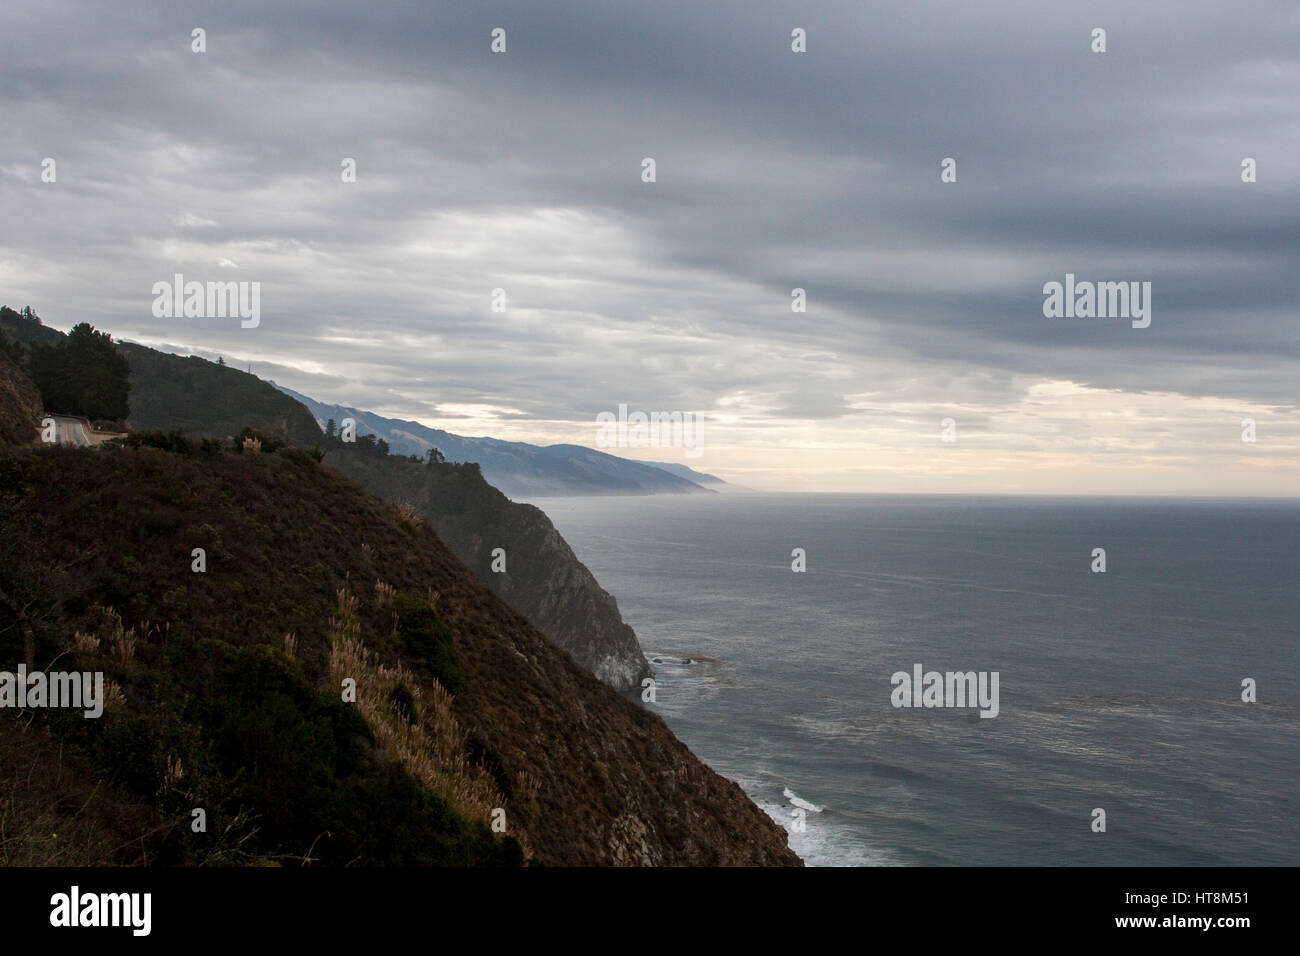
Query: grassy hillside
[225, 685]
[206, 400]
[20, 402]
[181, 393]
[26, 327]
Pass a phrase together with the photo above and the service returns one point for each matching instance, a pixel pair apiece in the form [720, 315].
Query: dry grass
[124, 645]
[114, 699]
[432, 748]
[121, 639]
[407, 515]
[346, 616]
[51, 814]
[174, 771]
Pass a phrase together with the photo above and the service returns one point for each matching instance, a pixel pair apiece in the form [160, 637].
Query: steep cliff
[542, 578]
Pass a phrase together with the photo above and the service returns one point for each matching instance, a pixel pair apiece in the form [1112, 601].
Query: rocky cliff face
[543, 580]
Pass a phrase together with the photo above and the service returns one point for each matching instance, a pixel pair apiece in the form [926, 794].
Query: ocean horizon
[1119, 690]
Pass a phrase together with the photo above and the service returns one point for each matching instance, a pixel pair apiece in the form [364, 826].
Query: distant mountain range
[519, 469]
[690, 474]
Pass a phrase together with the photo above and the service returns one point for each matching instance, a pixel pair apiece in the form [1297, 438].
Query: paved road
[71, 431]
[78, 433]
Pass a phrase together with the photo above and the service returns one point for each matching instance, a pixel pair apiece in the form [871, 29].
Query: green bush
[483, 754]
[429, 641]
[402, 698]
[173, 441]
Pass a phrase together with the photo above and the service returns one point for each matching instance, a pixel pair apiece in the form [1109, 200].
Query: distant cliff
[543, 579]
[520, 469]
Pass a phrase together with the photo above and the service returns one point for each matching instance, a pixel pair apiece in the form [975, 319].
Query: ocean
[1118, 691]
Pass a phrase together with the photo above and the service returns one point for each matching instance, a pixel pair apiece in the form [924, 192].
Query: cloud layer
[775, 170]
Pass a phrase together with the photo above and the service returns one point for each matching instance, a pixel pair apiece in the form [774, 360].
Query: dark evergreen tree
[84, 375]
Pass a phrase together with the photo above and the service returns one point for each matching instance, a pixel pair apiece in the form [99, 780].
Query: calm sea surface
[1120, 691]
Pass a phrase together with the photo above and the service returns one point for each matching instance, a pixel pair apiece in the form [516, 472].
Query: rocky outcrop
[543, 579]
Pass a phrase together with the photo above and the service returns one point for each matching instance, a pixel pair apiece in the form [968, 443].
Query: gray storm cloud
[776, 170]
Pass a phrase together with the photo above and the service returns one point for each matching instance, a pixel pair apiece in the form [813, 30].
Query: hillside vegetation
[542, 578]
[20, 402]
[545, 581]
[206, 400]
[225, 684]
[83, 375]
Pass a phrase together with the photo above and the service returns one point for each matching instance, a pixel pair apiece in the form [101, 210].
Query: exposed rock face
[544, 581]
[547, 584]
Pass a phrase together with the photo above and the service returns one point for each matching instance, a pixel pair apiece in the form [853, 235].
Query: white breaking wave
[801, 803]
[823, 842]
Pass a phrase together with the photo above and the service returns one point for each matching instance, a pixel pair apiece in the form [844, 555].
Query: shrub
[429, 641]
[482, 753]
[262, 441]
[300, 456]
[404, 701]
[173, 441]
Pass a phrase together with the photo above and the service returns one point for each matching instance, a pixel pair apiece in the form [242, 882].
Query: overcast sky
[774, 170]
